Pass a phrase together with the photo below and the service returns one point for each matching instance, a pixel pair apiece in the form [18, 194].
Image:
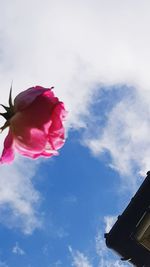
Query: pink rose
[35, 124]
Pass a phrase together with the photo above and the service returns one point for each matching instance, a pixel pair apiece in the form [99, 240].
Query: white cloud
[109, 222]
[77, 46]
[18, 198]
[102, 256]
[79, 259]
[18, 250]
[74, 45]
[126, 136]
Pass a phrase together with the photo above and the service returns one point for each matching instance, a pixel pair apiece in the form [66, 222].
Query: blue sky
[54, 212]
[78, 196]
[79, 199]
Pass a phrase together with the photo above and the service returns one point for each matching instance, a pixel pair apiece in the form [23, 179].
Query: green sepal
[9, 111]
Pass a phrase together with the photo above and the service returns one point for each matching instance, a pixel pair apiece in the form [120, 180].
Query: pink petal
[33, 154]
[25, 98]
[8, 151]
[30, 127]
[56, 130]
[32, 140]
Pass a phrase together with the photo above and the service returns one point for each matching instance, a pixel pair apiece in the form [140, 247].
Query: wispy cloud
[18, 198]
[125, 135]
[102, 256]
[79, 259]
[18, 250]
[109, 222]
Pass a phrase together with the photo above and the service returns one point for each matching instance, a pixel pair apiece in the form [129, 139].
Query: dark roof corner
[130, 235]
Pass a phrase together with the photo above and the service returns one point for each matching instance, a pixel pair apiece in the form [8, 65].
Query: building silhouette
[130, 235]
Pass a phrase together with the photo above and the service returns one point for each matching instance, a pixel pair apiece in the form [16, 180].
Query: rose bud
[35, 122]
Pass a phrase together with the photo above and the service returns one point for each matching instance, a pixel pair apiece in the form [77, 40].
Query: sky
[54, 212]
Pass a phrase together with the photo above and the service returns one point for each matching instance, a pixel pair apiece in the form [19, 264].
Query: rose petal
[34, 155]
[25, 98]
[56, 130]
[33, 140]
[31, 126]
[8, 151]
